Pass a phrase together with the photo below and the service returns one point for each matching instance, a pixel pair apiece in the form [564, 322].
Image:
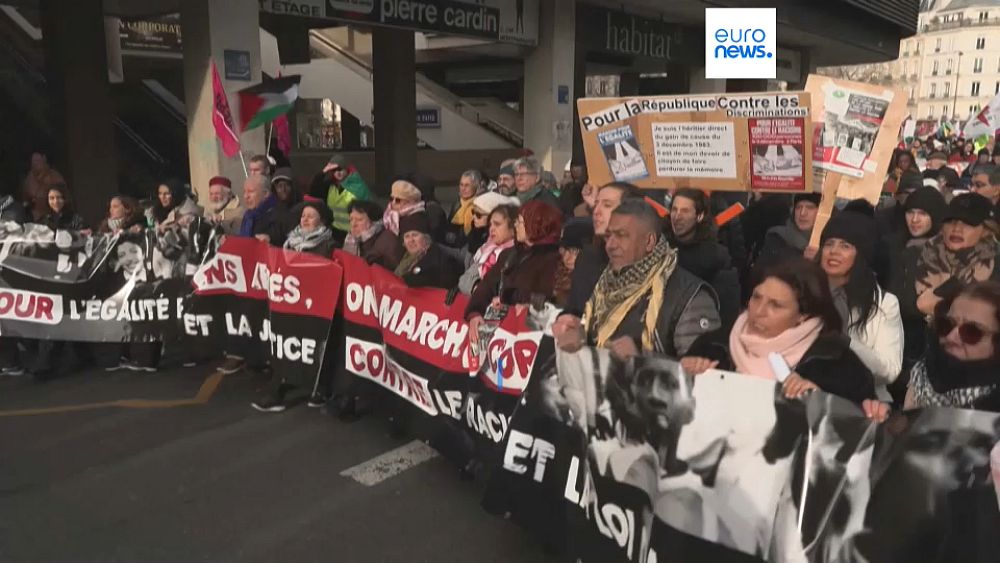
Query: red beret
[221, 180]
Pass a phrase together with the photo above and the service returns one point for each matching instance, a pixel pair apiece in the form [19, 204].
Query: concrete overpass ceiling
[835, 32]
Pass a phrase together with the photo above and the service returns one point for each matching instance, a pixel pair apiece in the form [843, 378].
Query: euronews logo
[740, 42]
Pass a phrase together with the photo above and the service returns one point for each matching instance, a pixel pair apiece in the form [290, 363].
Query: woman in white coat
[871, 314]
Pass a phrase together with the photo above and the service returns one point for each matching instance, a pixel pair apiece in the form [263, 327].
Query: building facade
[951, 68]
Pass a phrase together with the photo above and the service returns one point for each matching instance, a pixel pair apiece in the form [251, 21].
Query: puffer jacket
[880, 345]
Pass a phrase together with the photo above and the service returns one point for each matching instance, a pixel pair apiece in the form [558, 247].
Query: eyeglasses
[969, 333]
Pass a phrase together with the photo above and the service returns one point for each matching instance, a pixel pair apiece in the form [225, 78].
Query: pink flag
[222, 118]
[283, 136]
[281, 131]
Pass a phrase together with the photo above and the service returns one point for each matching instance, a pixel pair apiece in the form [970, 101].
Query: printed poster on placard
[776, 149]
[621, 152]
[700, 141]
[851, 121]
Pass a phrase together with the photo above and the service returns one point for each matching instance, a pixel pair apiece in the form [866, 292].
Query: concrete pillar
[350, 131]
[579, 91]
[548, 124]
[210, 28]
[82, 109]
[701, 85]
[394, 89]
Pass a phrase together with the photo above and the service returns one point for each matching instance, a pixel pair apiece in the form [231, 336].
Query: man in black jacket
[262, 219]
[692, 233]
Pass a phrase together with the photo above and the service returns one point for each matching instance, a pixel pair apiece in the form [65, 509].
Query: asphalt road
[220, 482]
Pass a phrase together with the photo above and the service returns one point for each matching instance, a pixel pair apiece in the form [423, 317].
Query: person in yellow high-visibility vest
[338, 185]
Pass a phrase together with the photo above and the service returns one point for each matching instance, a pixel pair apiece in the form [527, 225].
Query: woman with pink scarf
[405, 200]
[790, 333]
[499, 214]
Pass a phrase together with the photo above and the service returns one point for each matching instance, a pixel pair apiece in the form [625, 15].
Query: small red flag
[222, 118]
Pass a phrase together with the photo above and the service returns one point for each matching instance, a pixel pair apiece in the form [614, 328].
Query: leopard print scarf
[937, 264]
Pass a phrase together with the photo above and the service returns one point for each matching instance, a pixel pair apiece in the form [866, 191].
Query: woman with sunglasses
[499, 228]
[525, 270]
[870, 315]
[405, 200]
[961, 368]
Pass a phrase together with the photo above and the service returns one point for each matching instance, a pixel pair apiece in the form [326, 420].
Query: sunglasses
[479, 215]
[398, 200]
[969, 333]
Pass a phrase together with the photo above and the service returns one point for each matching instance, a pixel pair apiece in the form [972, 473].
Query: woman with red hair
[523, 272]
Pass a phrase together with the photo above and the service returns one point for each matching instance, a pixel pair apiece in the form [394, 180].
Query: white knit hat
[489, 201]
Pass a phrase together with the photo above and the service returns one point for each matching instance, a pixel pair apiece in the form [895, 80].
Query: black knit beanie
[855, 228]
[930, 201]
[809, 196]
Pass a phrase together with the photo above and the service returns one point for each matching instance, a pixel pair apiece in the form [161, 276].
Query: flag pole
[243, 160]
[267, 150]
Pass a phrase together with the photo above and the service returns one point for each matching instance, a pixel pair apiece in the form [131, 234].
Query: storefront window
[318, 124]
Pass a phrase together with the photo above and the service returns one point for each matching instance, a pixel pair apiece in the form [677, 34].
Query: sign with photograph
[856, 129]
[734, 142]
[639, 461]
[508, 21]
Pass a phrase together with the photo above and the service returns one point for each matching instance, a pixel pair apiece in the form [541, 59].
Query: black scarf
[947, 373]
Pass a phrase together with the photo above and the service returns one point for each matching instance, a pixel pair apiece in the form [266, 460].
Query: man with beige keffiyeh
[644, 302]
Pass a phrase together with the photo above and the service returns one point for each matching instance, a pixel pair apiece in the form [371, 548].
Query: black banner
[636, 461]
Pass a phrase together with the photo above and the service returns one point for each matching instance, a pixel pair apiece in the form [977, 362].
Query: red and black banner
[415, 344]
[270, 298]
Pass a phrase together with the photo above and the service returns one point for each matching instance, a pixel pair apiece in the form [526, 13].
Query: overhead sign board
[510, 21]
[161, 36]
[621, 33]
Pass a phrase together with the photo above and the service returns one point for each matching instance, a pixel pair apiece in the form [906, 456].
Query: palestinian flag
[264, 102]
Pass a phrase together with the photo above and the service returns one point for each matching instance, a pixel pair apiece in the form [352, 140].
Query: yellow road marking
[205, 392]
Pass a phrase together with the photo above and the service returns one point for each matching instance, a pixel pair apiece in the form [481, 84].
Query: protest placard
[856, 128]
[734, 142]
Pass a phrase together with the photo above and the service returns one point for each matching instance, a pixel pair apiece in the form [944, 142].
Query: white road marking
[390, 464]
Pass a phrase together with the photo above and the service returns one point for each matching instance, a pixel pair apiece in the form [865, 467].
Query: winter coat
[270, 223]
[542, 194]
[771, 210]
[382, 249]
[182, 215]
[781, 243]
[900, 280]
[229, 218]
[338, 197]
[880, 345]
[710, 261]
[590, 265]
[65, 221]
[519, 273]
[829, 363]
[436, 269]
[689, 310]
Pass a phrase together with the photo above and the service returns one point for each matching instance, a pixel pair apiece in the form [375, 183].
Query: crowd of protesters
[897, 306]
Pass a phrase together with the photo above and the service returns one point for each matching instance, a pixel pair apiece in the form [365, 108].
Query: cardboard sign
[732, 142]
[856, 130]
